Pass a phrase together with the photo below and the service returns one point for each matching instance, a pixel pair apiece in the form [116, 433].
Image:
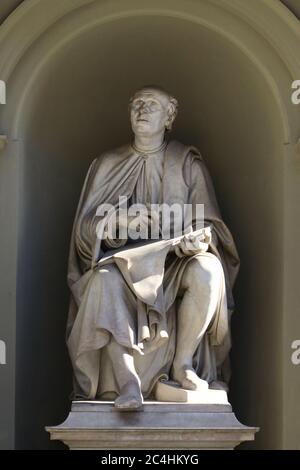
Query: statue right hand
[127, 226]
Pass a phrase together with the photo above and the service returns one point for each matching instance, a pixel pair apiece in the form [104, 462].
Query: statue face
[149, 112]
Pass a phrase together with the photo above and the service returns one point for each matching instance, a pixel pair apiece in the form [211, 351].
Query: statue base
[99, 425]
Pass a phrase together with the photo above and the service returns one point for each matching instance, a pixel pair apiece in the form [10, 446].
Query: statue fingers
[178, 251]
[203, 247]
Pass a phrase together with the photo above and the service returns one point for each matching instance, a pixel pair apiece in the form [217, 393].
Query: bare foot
[188, 379]
[130, 397]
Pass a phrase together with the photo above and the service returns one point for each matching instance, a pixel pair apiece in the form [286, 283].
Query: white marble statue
[142, 312]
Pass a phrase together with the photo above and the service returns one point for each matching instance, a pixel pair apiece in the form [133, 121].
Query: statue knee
[203, 270]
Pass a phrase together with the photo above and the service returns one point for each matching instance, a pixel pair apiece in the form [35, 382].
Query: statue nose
[144, 108]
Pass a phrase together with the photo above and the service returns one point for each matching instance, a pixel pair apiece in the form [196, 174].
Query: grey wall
[7, 7]
[293, 5]
[77, 108]
[9, 173]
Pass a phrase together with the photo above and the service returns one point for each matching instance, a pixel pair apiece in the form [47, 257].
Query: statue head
[152, 111]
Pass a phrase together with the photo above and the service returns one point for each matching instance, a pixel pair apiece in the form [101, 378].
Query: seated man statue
[143, 312]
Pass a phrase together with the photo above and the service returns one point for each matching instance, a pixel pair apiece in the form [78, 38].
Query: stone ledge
[98, 425]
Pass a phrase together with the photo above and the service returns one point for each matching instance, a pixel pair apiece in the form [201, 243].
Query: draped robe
[151, 283]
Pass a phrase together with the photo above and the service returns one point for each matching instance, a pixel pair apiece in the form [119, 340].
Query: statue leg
[200, 289]
[129, 384]
[116, 314]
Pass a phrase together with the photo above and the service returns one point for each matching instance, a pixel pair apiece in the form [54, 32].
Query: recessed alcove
[74, 108]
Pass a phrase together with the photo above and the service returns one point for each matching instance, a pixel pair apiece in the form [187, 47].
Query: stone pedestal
[98, 425]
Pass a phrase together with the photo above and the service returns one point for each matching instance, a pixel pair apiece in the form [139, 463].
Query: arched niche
[69, 80]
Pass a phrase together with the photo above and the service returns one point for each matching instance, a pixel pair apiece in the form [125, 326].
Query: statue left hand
[191, 245]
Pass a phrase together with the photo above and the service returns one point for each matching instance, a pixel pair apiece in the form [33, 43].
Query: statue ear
[168, 124]
[172, 112]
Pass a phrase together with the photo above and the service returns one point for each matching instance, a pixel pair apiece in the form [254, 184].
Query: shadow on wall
[77, 108]
[7, 7]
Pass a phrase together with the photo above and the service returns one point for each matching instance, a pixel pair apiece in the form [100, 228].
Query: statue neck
[149, 144]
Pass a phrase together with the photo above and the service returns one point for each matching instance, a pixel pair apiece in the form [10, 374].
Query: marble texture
[158, 313]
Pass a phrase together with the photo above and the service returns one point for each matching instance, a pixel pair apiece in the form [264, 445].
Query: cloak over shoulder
[115, 173]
